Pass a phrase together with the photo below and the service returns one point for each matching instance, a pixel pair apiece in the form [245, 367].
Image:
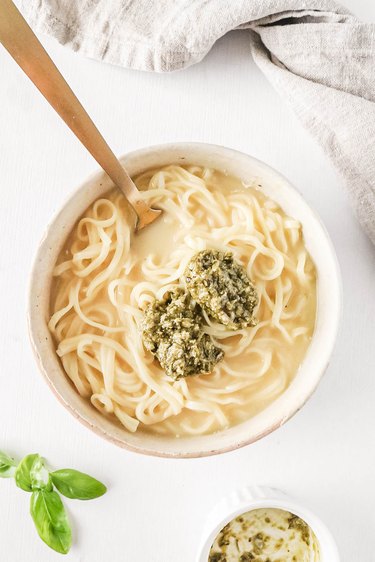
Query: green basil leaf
[22, 475]
[51, 521]
[31, 474]
[77, 485]
[7, 466]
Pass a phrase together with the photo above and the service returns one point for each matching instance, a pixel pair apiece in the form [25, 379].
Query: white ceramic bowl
[257, 497]
[328, 295]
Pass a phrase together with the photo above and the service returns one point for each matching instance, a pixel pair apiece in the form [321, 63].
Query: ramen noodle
[107, 275]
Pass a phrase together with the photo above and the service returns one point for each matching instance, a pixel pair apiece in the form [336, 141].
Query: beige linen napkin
[314, 52]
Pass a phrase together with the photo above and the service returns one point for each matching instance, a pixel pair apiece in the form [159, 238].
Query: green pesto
[222, 288]
[247, 539]
[299, 524]
[172, 330]
[247, 557]
[259, 541]
[217, 557]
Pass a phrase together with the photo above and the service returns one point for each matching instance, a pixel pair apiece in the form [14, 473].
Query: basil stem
[7, 466]
[77, 485]
[51, 521]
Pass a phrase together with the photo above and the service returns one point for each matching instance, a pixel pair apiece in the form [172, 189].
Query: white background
[155, 508]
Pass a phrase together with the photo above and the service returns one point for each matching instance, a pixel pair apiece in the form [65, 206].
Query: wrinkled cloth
[314, 52]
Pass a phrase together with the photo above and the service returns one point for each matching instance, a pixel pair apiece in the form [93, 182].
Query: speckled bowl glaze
[316, 360]
[256, 497]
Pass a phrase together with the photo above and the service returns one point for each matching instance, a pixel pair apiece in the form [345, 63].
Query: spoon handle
[23, 45]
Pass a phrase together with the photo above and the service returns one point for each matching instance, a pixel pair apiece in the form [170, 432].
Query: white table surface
[155, 508]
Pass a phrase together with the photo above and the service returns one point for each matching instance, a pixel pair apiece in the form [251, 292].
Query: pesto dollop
[173, 331]
[222, 288]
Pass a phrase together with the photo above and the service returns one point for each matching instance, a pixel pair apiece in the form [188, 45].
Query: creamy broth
[106, 275]
[265, 535]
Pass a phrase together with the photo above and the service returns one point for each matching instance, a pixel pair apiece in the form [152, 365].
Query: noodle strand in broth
[106, 275]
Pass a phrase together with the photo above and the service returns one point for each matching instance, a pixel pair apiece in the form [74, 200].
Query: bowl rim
[32, 312]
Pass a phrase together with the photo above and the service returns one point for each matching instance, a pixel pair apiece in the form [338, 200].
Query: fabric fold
[315, 53]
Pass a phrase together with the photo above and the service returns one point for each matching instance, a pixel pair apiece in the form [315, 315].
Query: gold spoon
[22, 44]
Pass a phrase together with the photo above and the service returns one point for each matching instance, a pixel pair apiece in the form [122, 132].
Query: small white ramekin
[255, 497]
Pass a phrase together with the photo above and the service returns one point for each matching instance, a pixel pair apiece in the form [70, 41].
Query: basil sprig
[77, 485]
[51, 521]
[46, 507]
[7, 466]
